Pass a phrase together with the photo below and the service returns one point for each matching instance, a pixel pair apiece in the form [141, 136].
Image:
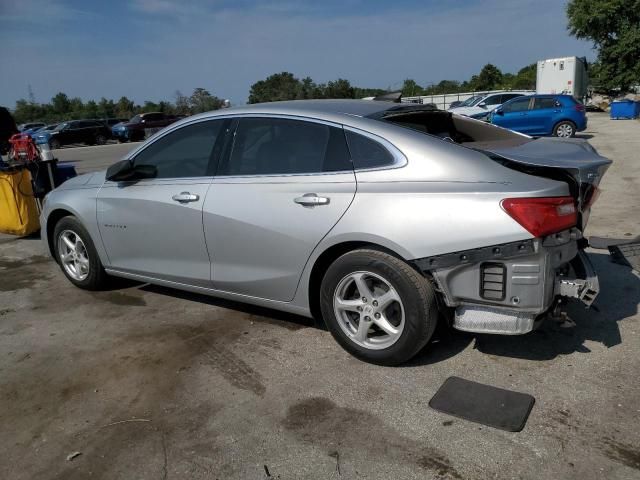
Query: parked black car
[7, 128]
[90, 132]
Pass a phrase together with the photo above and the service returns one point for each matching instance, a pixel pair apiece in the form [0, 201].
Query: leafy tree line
[285, 86]
[61, 107]
[489, 78]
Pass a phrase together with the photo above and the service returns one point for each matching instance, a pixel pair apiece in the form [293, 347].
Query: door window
[185, 152]
[540, 103]
[493, 100]
[277, 146]
[519, 105]
[367, 153]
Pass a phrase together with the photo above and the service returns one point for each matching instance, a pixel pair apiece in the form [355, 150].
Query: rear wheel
[377, 307]
[77, 256]
[564, 129]
[101, 139]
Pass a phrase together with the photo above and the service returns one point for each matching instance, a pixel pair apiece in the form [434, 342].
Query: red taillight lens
[579, 107]
[542, 216]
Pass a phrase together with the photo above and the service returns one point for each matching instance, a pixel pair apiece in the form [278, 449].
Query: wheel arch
[327, 257]
[52, 220]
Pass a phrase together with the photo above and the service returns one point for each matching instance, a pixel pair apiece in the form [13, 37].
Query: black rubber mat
[625, 251]
[491, 406]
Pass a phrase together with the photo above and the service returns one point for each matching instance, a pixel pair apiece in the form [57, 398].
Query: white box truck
[566, 75]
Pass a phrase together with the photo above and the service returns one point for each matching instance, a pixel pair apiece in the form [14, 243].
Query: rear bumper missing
[503, 289]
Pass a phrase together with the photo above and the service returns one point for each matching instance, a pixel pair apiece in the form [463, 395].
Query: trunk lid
[573, 160]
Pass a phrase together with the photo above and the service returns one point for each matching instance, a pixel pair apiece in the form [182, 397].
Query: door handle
[311, 200]
[186, 197]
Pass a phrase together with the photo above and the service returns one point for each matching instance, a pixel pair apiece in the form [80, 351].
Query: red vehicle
[137, 128]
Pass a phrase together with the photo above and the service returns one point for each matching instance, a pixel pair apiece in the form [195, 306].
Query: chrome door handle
[311, 200]
[186, 197]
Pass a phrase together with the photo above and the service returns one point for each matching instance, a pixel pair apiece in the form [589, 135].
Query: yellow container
[18, 208]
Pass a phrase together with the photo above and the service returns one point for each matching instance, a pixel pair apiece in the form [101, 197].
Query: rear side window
[509, 96]
[519, 105]
[185, 152]
[541, 103]
[493, 100]
[278, 146]
[367, 153]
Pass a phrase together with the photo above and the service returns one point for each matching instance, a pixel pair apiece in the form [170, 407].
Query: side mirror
[143, 121]
[482, 105]
[125, 170]
[499, 111]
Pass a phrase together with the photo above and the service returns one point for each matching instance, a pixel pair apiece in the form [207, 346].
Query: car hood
[469, 110]
[87, 180]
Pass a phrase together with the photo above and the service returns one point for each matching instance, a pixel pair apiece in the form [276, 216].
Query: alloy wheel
[73, 255]
[565, 131]
[369, 310]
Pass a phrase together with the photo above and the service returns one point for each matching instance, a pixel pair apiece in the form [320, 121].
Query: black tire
[54, 144]
[564, 126]
[101, 139]
[123, 140]
[97, 277]
[415, 291]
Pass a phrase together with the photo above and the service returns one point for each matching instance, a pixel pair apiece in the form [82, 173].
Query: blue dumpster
[625, 109]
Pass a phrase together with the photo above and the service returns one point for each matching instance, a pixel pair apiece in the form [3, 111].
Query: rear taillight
[544, 215]
[579, 107]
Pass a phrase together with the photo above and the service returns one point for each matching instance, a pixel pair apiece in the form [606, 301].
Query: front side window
[519, 105]
[185, 152]
[541, 103]
[493, 100]
[277, 146]
[367, 153]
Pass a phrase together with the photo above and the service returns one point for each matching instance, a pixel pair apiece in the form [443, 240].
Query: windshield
[136, 119]
[62, 126]
[470, 102]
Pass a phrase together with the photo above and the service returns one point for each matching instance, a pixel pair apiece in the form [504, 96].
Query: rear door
[153, 227]
[284, 185]
[542, 114]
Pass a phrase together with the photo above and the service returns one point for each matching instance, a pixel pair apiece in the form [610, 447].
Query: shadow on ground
[619, 298]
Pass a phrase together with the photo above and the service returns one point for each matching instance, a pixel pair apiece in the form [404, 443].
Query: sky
[148, 49]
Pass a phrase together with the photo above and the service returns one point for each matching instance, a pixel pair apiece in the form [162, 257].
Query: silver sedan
[379, 218]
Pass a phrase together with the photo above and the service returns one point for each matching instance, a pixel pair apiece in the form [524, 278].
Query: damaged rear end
[505, 288]
[509, 287]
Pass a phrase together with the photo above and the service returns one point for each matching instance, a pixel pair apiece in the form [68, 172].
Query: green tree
[125, 108]
[280, 86]
[340, 88]
[489, 78]
[614, 28]
[525, 79]
[182, 103]
[60, 104]
[202, 101]
[91, 109]
[410, 88]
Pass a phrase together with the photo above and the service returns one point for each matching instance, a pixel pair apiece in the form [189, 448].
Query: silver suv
[380, 218]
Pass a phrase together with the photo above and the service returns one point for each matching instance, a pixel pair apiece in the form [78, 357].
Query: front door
[153, 227]
[515, 115]
[285, 184]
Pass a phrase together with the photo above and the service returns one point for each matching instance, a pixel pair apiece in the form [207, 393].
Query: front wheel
[377, 307]
[564, 129]
[77, 256]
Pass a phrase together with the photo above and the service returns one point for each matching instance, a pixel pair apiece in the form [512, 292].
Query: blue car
[539, 115]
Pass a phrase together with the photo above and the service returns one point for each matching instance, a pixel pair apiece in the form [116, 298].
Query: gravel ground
[149, 383]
